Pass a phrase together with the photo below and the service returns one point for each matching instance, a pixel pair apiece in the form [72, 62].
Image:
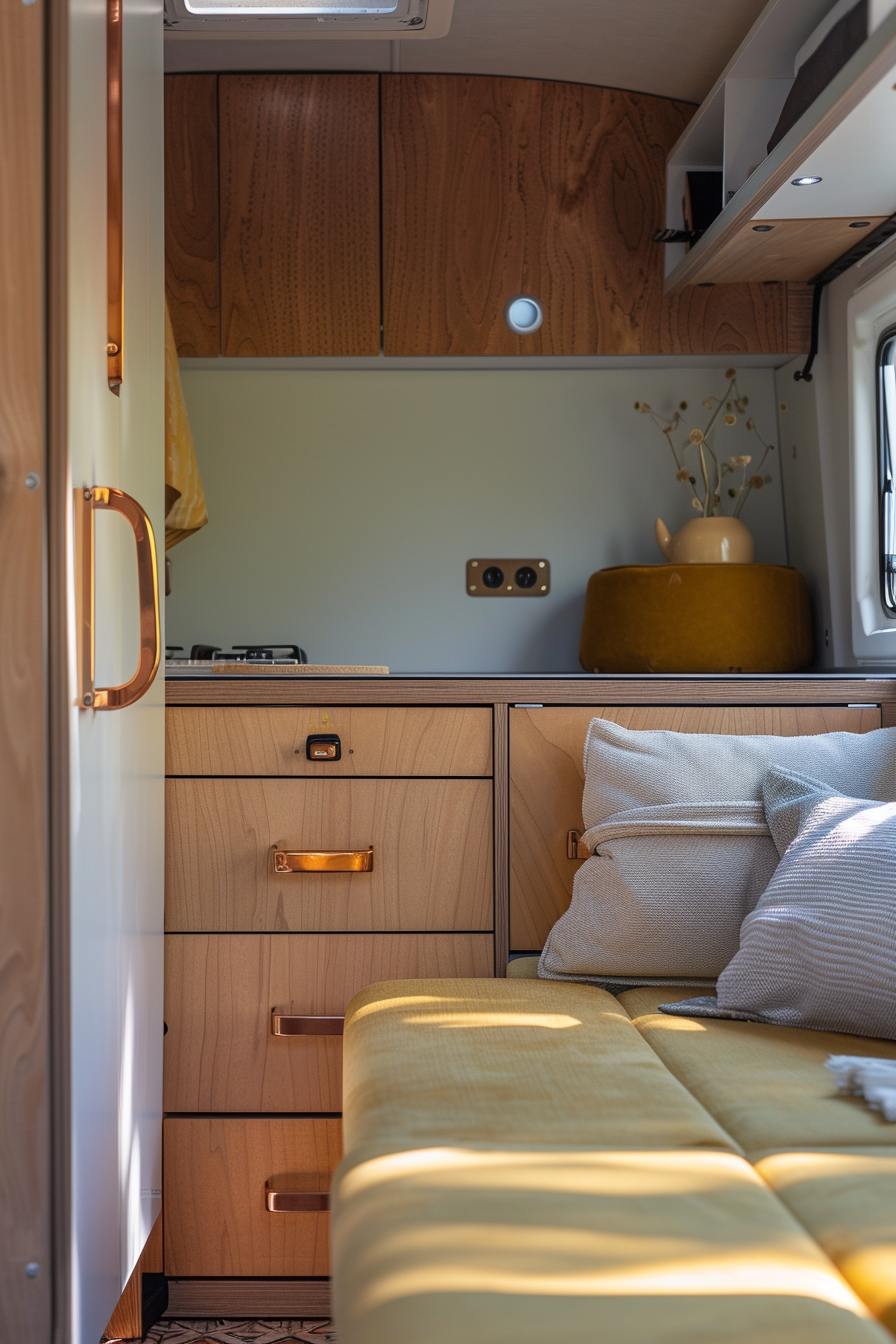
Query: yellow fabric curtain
[185, 510]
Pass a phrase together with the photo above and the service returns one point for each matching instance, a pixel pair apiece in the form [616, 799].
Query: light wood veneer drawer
[220, 990]
[271, 741]
[216, 1176]
[432, 843]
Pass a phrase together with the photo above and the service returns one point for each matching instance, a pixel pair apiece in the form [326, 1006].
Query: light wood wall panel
[547, 777]
[432, 867]
[216, 1170]
[300, 214]
[493, 187]
[26, 1304]
[220, 991]
[258, 741]
[192, 280]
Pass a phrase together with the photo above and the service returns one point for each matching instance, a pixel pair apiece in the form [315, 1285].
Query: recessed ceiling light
[763, 228]
[805, 181]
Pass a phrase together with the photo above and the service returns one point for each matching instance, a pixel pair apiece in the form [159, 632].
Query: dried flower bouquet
[710, 489]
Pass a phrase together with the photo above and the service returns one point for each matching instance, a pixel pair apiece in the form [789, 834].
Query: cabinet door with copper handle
[87, 501]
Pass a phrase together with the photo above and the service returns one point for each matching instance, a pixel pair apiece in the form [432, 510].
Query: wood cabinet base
[284, 1298]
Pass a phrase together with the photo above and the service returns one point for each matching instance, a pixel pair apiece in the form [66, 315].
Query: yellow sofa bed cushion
[519, 1164]
[487, 1059]
[846, 1198]
[492, 1246]
[766, 1085]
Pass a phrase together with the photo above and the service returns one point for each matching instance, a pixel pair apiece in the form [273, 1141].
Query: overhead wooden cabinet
[192, 275]
[300, 240]
[490, 188]
[498, 187]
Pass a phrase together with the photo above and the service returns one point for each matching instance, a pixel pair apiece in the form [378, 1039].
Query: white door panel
[117, 757]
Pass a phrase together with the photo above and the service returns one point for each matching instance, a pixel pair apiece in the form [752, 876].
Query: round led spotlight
[523, 314]
[805, 181]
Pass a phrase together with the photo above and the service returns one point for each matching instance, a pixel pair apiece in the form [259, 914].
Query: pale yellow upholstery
[487, 1246]
[486, 1059]
[766, 1086]
[519, 1164]
[846, 1197]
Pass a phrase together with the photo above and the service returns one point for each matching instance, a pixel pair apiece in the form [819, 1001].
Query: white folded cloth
[873, 1079]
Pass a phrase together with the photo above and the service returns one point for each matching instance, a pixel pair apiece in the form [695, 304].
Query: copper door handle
[323, 860]
[115, 697]
[284, 1024]
[296, 1201]
[114, 200]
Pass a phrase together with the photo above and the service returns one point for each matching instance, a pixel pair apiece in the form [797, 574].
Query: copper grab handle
[283, 1024]
[296, 1201]
[323, 860]
[114, 200]
[115, 697]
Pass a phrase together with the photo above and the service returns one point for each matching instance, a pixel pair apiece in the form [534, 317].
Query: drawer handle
[323, 861]
[296, 1201]
[283, 1024]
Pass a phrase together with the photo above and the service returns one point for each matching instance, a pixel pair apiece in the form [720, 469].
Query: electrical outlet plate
[518, 578]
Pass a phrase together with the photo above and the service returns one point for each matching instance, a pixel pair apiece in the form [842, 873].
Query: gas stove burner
[259, 653]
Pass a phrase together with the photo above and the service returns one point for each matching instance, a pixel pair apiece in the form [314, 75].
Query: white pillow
[819, 950]
[682, 848]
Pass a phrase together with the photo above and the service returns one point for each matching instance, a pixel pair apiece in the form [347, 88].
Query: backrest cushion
[682, 848]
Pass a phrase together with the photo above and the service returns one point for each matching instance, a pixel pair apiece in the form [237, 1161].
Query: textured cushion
[846, 1198]
[819, 950]
[493, 1246]
[683, 851]
[767, 1086]
[471, 1061]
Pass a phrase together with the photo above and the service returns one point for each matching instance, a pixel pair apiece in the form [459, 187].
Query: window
[886, 386]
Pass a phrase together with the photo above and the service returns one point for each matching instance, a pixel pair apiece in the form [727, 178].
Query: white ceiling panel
[674, 48]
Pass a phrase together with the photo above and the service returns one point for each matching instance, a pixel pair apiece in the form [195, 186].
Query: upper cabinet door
[300, 209]
[191, 212]
[496, 187]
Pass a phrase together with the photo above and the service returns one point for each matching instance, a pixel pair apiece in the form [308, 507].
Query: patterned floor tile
[221, 1331]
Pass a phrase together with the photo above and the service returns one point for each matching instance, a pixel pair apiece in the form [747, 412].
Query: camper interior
[447, 969]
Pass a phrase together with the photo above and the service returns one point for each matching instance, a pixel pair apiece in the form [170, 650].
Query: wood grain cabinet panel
[300, 211]
[191, 212]
[215, 1175]
[547, 777]
[376, 741]
[220, 990]
[432, 843]
[494, 187]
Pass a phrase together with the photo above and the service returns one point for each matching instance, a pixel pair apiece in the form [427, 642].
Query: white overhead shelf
[847, 138]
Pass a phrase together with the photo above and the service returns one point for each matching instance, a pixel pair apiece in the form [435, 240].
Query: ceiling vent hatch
[311, 18]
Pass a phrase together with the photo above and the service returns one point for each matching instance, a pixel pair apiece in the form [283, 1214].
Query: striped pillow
[819, 950]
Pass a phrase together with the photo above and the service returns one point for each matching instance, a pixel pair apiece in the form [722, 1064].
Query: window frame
[886, 468]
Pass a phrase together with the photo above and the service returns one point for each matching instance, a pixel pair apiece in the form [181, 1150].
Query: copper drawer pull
[283, 1024]
[296, 1201]
[324, 861]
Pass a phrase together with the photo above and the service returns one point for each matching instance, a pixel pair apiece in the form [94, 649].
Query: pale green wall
[344, 506]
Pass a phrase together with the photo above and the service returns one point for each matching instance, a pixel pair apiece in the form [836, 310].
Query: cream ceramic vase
[707, 541]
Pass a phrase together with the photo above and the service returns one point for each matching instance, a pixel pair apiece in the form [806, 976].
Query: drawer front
[217, 1174]
[547, 777]
[272, 741]
[432, 855]
[220, 990]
